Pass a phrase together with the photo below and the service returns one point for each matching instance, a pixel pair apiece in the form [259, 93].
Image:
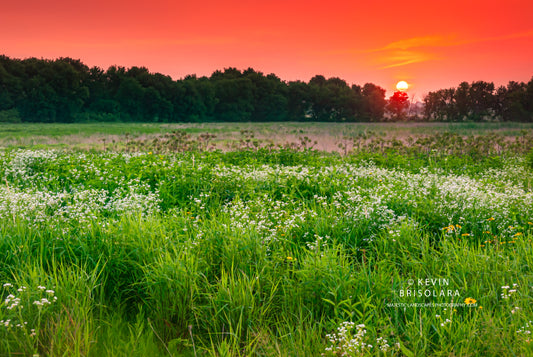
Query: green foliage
[267, 251]
[66, 90]
[10, 116]
[529, 159]
[480, 101]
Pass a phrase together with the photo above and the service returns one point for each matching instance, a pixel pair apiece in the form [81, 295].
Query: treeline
[481, 101]
[66, 90]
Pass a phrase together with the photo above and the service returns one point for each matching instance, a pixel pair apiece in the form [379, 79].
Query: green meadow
[270, 239]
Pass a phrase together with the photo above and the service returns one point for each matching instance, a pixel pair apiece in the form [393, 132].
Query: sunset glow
[402, 86]
[437, 46]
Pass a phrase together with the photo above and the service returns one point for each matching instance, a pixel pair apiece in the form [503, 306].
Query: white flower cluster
[349, 342]
[525, 329]
[43, 301]
[42, 207]
[27, 197]
[20, 165]
[383, 344]
[200, 201]
[371, 197]
[507, 291]
[11, 302]
[319, 244]
[15, 311]
[445, 322]
[267, 217]
[453, 196]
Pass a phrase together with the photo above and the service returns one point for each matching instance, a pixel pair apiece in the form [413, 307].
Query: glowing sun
[402, 86]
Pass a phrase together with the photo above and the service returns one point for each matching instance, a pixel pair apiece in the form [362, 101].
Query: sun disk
[402, 86]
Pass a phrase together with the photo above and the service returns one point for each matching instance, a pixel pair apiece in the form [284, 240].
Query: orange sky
[431, 44]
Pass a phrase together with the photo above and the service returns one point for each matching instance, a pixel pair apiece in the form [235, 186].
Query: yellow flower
[465, 234]
[490, 219]
[517, 234]
[449, 229]
[291, 258]
[469, 301]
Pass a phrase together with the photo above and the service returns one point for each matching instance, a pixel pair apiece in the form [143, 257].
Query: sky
[430, 44]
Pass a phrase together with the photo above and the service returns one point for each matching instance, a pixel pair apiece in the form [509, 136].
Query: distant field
[327, 135]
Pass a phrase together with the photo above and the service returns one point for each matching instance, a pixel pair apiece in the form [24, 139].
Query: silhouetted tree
[398, 104]
[482, 100]
[514, 101]
[441, 105]
[234, 93]
[373, 102]
[299, 101]
[269, 96]
[130, 95]
[479, 101]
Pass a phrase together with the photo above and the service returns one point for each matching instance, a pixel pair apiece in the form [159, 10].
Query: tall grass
[264, 252]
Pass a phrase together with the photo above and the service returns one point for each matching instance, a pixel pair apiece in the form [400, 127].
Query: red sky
[430, 44]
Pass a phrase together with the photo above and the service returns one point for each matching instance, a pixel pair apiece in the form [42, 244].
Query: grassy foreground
[265, 252]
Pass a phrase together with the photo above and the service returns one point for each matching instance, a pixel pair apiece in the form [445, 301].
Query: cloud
[445, 41]
[417, 42]
[511, 36]
[405, 57]
[408, 51]
[421, 49]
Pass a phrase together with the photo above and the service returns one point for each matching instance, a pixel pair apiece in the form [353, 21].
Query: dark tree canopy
[373, 102]
[481, 101]
[66, 90]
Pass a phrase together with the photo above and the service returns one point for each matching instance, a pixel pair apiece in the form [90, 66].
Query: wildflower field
[169, 246]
